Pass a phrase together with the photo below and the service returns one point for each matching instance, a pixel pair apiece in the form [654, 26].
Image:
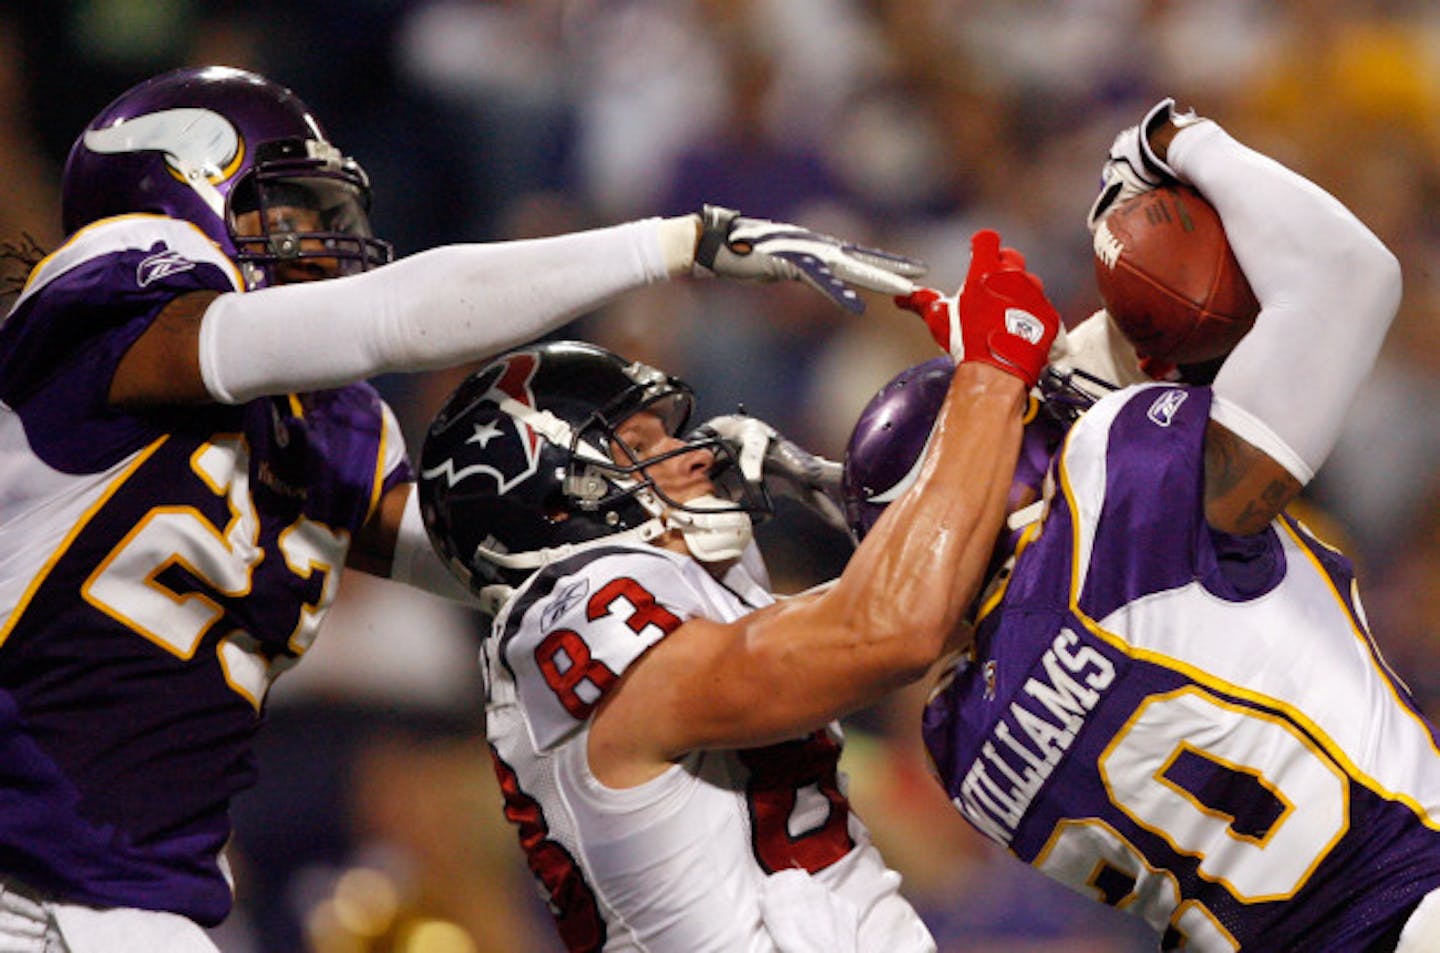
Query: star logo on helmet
[484, 433]
[509, 450]
[513, 381]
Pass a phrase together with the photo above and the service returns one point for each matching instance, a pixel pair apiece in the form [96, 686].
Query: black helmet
[522, 465]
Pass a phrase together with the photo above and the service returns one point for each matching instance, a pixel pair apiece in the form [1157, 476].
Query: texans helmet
[522, 465]
[209, 144]
[891, 436]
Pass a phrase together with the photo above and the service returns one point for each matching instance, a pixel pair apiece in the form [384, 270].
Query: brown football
[1167, 275]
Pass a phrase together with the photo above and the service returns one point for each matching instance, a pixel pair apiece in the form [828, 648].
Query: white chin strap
[712, 537]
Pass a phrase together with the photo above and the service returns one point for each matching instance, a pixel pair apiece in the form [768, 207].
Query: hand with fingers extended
[1000, 317]
[753, 249]
[784, 467]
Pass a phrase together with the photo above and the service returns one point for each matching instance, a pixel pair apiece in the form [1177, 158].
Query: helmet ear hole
[245, 196]
[555, 508]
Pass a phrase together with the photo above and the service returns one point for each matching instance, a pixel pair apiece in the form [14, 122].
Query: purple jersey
[157, 570]
[1193, 727]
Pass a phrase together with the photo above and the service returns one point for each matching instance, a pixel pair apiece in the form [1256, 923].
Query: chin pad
[713, 537]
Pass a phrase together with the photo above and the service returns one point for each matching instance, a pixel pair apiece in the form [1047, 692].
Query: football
[1167, 275]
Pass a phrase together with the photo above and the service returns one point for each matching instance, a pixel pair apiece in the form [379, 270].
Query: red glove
[1002, 316]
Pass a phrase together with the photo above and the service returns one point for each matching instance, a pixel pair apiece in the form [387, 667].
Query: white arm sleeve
[439, 308]
[417, 564]
[1327, 287]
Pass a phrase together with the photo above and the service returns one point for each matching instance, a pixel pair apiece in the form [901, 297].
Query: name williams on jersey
[1039, 725]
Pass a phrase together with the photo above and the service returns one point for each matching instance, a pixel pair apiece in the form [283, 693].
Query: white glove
[23, 921]
[754, 249]
[1132, 166]
[782, 466]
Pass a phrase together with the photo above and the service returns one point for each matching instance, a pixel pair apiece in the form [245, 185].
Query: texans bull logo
[510, 449]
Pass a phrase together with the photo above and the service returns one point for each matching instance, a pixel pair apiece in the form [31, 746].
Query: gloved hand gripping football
[1132, 166]
[1000, 317]
[753, 249]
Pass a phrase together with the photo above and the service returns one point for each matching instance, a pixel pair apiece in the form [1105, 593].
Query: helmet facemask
[525, 465]
[302, 213]
[717, 526]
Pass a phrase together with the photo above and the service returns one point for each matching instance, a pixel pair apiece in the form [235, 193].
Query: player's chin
[307, 269]
[699, 490]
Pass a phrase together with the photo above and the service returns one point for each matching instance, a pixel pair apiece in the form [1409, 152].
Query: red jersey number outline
[565, 661]
[778, 772]
[572, 901]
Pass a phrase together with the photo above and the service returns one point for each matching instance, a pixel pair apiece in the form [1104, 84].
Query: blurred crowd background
[903, 123]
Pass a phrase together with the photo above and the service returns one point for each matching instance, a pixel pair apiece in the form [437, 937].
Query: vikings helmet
[208, 144]
[893, 432]
[522, 465]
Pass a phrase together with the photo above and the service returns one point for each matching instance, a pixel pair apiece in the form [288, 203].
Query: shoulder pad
[576, 626]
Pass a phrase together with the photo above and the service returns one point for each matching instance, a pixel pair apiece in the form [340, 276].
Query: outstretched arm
[789, 668]
[459, 303]
[898, 606]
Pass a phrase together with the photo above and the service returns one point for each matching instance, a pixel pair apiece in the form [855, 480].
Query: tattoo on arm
[1244, 487]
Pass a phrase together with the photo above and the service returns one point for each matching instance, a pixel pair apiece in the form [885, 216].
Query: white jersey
[681, 862]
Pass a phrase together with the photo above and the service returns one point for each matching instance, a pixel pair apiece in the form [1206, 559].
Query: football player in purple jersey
[191, 455]
[1170, 700]
[663, 730]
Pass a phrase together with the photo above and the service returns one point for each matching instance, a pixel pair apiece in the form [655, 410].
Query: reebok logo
[565, 600]
[1163, 410]
[160, 265]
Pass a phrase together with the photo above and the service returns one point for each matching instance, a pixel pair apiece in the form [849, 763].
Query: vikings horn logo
[194, 141]
[510, 449]
[201, 147]
[905, 482]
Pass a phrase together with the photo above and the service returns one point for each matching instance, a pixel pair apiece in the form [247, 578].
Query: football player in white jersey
[190, 454]
[662, 728]
[1171, 701]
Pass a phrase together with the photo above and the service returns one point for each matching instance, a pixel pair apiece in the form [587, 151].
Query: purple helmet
[888, 443]
[211, 143]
